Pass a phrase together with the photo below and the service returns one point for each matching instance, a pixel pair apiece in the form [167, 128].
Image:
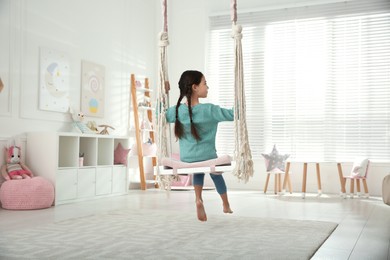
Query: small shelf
[147, 130]
[88, 147]
[68, 154]
[105, 152]
[59, 163]
[143, 90]
[146, 108]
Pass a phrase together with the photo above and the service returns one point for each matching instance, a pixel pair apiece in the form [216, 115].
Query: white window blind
[317, 79]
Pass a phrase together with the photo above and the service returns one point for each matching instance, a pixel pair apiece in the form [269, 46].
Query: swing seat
[218, 165]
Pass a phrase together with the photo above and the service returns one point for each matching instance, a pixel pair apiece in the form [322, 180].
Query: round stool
[34, 193]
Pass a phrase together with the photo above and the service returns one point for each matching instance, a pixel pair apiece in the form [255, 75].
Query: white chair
[359, 172]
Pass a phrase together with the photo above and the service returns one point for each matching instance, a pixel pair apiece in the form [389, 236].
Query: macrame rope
[233, 11]
[164, 181]
[165, 16]
[242, 155]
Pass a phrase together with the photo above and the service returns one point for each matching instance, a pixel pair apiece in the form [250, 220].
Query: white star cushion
[274, 160]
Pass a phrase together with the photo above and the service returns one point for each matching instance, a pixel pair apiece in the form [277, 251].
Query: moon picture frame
[54, 80]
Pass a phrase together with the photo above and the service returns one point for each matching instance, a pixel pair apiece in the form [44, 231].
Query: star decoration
[275, 160]
[120, 155]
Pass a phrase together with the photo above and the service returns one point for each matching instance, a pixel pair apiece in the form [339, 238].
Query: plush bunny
[15, 168]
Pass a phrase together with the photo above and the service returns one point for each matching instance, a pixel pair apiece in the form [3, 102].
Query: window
[317, 79]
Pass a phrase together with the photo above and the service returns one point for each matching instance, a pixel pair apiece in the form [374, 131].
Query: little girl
[196, 127]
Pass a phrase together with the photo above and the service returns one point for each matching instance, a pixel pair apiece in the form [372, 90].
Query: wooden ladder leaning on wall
[137, 127]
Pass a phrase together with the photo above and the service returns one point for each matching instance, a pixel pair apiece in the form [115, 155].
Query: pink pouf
[34, 193]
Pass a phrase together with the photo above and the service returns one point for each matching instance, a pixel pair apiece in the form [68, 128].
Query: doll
[14, 168]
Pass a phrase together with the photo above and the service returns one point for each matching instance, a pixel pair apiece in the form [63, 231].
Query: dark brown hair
[187, 79]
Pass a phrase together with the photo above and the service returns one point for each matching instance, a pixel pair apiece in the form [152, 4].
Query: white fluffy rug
[146, 234]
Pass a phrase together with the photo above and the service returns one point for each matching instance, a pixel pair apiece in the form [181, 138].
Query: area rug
[149, 234]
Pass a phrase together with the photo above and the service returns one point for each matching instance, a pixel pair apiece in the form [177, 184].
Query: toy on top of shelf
[79, 125]
[15, 169]
[105, 131]
[138, 84]
[146, 125]
[92, 125]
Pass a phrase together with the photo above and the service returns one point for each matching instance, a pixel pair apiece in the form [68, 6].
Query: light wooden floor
[363, 231]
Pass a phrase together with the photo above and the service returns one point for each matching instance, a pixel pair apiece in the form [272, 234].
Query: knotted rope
[164, 181]
[242, 155]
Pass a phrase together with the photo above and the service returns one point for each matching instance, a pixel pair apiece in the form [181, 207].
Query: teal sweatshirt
[206, 118]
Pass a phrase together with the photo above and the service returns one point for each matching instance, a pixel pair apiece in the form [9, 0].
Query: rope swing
[242, 155]
[163, 102]
[243, 168]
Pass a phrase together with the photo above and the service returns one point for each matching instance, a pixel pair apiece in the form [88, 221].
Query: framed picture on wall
[5, 96]
[6, 53]
[92, 89]
[54, 80]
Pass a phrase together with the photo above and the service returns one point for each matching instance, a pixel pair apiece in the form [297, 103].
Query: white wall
[119, 36]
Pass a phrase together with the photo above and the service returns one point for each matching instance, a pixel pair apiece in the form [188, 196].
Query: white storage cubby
[55, 156]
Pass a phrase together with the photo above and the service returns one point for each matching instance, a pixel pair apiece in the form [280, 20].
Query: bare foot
[200, 211]
[227, 209]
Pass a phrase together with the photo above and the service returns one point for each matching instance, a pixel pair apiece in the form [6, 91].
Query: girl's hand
[167, 86]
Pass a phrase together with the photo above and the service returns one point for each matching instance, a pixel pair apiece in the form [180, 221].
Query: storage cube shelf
[67, 155]
[55, 156]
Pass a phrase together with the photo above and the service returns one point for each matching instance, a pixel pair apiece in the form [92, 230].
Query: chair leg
[352, 188]
[289, 183]
[365, 188]
[318, 179]
[358, 187]
[276, 184]
[304, 180]
[266, 183]
[286, 181]
[342, 179]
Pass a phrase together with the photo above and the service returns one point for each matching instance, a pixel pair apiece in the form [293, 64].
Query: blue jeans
[219, 182]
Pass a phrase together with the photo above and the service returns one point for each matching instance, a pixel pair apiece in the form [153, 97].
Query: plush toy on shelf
[15, 169]
[92, 125]
[79, 125]
[105, 130]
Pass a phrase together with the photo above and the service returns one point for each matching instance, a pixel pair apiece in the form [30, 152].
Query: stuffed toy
[105, 131]
[79, 125]
[92, 125]
[15, 169]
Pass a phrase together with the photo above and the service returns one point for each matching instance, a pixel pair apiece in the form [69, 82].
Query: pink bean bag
[34, 193]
